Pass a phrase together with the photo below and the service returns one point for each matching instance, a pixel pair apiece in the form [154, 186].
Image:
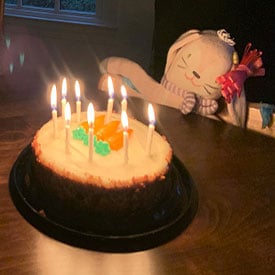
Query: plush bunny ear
[184, 39]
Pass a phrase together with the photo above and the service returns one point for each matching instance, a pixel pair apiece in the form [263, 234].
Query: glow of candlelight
[78, 102]
[91, 120]
[53, 97]
[110, 100]
[124, 122]
[91, 114]
[124, 100]
[77, 90]
[54, 112]
[151, 129]
[64, 88]
[151, 114]
[67, 127]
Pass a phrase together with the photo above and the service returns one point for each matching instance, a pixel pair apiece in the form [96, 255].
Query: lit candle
[151, 129]
[54, 112]
[91, 120]
[110, 100]
[124, 122]
[78, 102]
[124, 100]
[64, 94]
[67, 127]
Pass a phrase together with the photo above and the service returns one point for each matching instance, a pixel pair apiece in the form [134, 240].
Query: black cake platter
[184, 195]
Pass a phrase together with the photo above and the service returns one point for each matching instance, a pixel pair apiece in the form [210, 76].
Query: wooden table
[232, 232]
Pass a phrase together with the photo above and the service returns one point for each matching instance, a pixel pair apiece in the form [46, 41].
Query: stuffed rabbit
[201, 67]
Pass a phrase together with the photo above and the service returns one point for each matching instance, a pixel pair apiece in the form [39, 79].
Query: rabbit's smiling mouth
[192, 79]
[207, 88]
[195, 77]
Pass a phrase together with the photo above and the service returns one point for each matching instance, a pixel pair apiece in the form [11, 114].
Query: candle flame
[110, 87]
[77, 90]
[91, 114]
[123, 91]
[64, 87]
[124, 120]
[151, 114]
[53, 97]
[68, 112]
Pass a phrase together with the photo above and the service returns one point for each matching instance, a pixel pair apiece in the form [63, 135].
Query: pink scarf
[190, 101]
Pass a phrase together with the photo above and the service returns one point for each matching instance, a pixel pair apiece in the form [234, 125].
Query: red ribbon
[233, 81]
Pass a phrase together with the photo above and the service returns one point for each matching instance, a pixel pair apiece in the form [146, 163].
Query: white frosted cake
[106, 194]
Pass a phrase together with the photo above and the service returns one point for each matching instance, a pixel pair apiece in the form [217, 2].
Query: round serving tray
[184, 192]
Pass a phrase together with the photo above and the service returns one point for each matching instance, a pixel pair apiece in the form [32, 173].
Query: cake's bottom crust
[87, 207]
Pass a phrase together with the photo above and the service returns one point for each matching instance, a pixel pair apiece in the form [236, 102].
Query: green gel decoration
[79, 133]
[85, 140]
[101, 147]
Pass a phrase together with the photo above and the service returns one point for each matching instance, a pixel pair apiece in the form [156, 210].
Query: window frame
[105, 15]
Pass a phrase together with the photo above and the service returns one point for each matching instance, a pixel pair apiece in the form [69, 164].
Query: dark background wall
[246, 21]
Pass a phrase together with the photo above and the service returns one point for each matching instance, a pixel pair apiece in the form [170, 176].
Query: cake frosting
[109, 170]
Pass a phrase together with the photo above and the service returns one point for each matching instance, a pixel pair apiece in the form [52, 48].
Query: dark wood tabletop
[234, 173]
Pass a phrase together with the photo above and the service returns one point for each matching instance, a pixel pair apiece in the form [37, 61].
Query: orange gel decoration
[107, 130]
[116, 140]
[85, 126]
[99, 122]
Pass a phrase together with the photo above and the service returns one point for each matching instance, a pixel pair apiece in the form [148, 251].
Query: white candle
[124, 100]
[125, 146]
[91, 120]
[124, 122]
[54, 112]
[64, 94]
[151, 129]
[78, 102]
[110, 100]
[67, 127]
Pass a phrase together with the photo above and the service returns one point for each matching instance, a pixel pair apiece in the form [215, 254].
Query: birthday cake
[104, 194]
